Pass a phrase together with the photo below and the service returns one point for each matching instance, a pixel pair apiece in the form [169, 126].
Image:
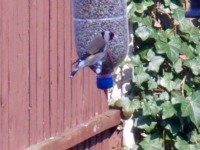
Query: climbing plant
[165, 89]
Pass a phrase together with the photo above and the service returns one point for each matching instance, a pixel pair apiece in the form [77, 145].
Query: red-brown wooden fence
[37, 99]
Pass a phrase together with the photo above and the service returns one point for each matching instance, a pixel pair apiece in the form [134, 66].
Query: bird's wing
[96, 45]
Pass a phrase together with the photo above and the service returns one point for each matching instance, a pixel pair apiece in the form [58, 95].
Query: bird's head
[107, 35]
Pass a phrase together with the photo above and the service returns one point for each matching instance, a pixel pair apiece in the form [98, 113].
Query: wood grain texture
[67, 66]
[81, 132]
[4, 74]
[37, 99]
[39, 70]
[18, 75]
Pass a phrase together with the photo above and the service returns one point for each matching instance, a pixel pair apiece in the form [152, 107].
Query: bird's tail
[73, 73]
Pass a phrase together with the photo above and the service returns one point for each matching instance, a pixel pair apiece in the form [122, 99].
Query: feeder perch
[194, 11]
[91, 17]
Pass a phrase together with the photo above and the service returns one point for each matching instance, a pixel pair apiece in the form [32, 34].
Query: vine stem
[183, 85]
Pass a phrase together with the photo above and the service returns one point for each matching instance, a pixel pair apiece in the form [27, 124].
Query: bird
[94, 54]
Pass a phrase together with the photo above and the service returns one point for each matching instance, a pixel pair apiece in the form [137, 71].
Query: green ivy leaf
[144, 32]
[178, 66]
[168, 49]
[146, 123]
[182, 144]
[164, 96]
[141, 7]
[172, 124]
[152, 84]
[194, 137]
[128, 106]
[191, 107]
[152, 143]
[140, 75]
[168, 110]
[194, 65]
[154, 64]
[150, 108]
[167, 82]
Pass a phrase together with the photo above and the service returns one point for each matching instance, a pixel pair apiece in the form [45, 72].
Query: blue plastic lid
[193, 13]
[104, 81]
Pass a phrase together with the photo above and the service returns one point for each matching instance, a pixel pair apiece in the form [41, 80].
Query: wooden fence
[37, 99]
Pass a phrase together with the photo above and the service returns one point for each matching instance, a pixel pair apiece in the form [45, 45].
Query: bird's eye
[111, 35]
[102, 34]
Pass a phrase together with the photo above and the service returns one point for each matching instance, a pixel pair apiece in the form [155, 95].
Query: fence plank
[54, 66]
[39, 70]
[1, 68]
[61, 62]
[68, 60]
[33, 73]
[5, 9]
[46, 64]
[82, 132]
[18, 73]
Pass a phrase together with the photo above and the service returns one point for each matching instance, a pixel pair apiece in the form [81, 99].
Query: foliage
[165, 96]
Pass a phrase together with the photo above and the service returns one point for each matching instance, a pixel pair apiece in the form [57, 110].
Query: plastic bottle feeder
[91, 17]
[194, 11]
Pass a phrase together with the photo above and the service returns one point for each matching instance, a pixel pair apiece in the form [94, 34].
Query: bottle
[91, 17]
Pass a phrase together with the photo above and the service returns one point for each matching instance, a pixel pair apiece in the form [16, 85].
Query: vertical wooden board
[86, 103]
[18, 74]
[75, 85]
[46, 72]
[93, 99]
[68, 60]
[4, 73]
[115, 140]
[40, 69]
[54, 66]
[1, 62]
[61, 63]
[33, 72]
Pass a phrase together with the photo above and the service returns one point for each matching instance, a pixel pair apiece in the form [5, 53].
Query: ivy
[164, 98]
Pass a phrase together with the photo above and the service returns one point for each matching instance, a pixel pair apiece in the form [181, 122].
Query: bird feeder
[91, 17]
[194, 11]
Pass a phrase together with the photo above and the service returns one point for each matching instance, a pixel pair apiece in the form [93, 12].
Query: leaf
[136, 60]
[140, 75]
[168, 49]
[154, 64]
[164, 96]
[194, 137]
[128, 106]
[178, 66]
[151, 143]
[191, 107]
[150, 108]
[167, 110]
[152, 84]
[150, 54]
[194, 65]
[167, 82]
[146, 123]
[141, 7]
[181, 144]
[172, 124]
[144, 32]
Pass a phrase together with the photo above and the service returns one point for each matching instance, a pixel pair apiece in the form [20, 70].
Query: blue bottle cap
[194, 11]
[104, 81]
